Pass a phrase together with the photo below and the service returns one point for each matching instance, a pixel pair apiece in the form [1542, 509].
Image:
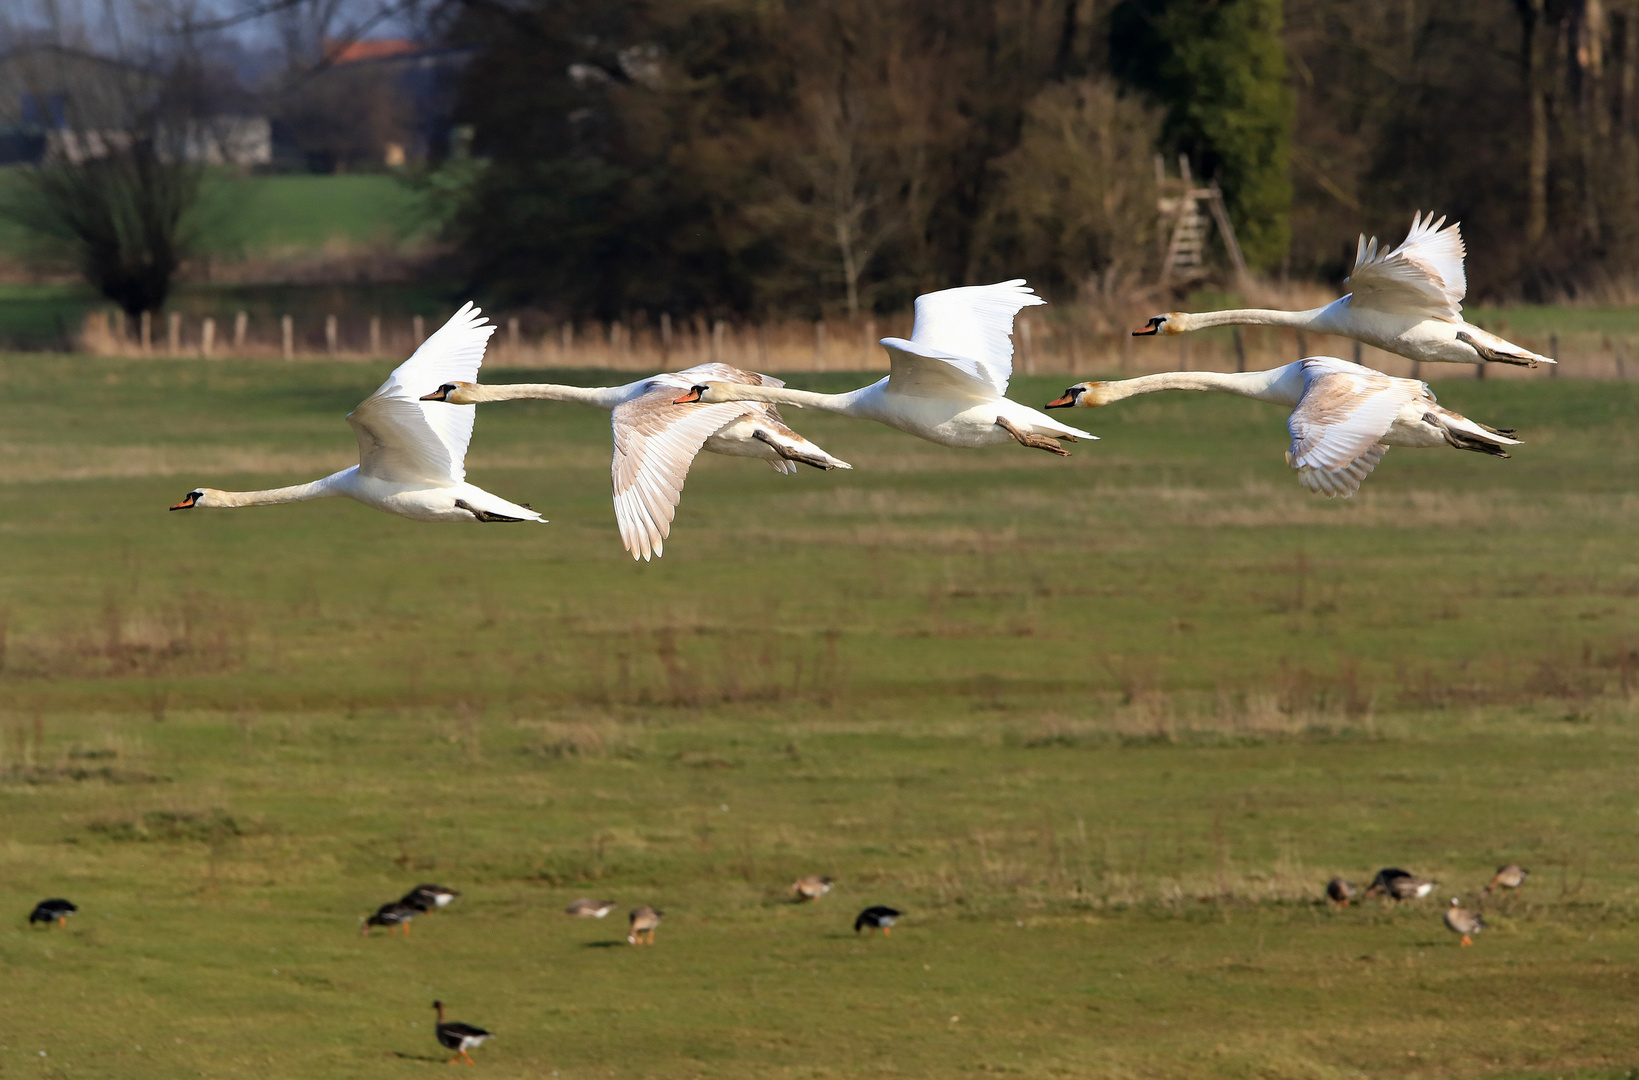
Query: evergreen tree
[1218, 67]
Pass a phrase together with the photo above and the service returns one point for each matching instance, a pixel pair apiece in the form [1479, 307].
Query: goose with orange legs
[454, 1035]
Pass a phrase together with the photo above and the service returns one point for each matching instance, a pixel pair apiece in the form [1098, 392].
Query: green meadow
[1102, 727]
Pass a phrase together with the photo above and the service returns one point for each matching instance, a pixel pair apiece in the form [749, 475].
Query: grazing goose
[1339, 891]
[590, 909]
[656, 439]
[1344, 416]
[454, 1035]
[1398, 884]
[1406, 301]
[811, 888]
[55, 910]
[396, 914]
[947, 384]
[643, 920]
[429, 898]
[411, 456]
[1460, 920]
[877, 917]
[1508, 877]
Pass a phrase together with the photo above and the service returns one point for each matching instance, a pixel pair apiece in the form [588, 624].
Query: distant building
[377, 103]
[58, 103]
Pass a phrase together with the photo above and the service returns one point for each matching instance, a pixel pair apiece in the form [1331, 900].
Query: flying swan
[947, 384]
[411, 455]
[1406, 301]
[1344, 416]
[656, 439]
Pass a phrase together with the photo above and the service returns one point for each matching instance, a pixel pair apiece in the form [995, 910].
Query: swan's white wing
[406, 440]
[655, 443]
[1338, 426]
[969, 329]
[1423, 276]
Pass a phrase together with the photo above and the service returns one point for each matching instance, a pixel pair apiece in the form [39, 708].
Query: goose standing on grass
[454, 1035]
[1398, 884]
[1508, 877]
[877, 917]
[643, 920]
[590, 909]
[656, 440]
[811, 887]
[947, 384]
[429, 898]
[1459, 920]
[1344, 416]
[55, 910]
[1340, 891]
[411, 456]
[1406, 301]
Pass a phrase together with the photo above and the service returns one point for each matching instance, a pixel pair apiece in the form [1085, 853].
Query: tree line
[769, 158]
[748, 156]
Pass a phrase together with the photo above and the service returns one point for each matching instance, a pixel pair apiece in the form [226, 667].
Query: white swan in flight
[946, 384]
[656, 440]
[411, 455]
[1407, 301]
[1344, 416]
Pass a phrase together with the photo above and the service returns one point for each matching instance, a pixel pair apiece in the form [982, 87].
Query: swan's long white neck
[318, 489]
[1313, 319]
[781, 395]
[1282, 385]
[604, 397]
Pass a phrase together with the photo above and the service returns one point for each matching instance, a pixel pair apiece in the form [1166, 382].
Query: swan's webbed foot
[788, 454]
[1492, 355]
[483, 515]
[1031, 439]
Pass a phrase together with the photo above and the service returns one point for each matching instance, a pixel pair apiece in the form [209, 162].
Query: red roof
[351, 52]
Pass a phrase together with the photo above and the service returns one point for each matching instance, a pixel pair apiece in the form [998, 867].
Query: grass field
[1103, 727]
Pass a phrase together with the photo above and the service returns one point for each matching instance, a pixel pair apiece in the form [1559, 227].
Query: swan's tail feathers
[1339, 483]
[1466, 434]
[1496, 350]
[794, 448]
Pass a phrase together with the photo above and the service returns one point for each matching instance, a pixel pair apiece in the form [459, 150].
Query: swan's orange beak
[187, 503]
[692, 396]
[1064, 402]
[1150, 328]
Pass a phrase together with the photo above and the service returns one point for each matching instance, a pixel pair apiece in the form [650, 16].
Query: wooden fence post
[512, 333]
[418, 330]
[375, 335]
[147, 331]
[819, 344]
[870, 339]
[287, 334]
[717, 329]
[566, 337]
[241, 325]
[173, 333]
[207, 336]
[330, 334]
[665, 334]
[119, 329]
